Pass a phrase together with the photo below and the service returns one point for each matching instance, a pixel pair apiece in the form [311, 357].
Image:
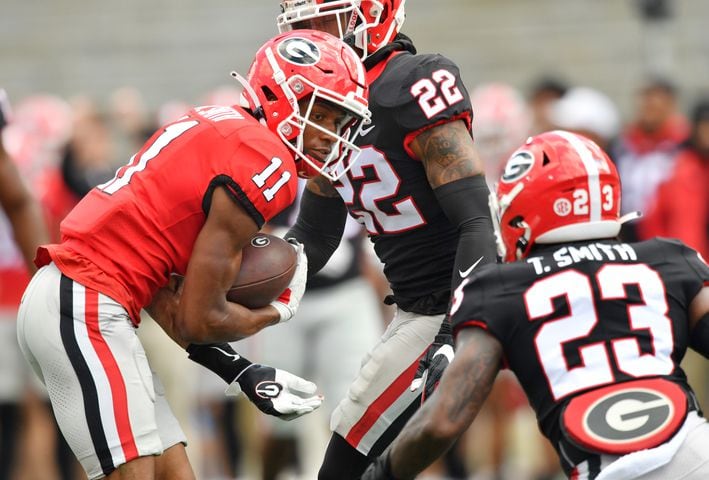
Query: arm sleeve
[465, 202]
[319, 227]
[699, 337]
[220, 358]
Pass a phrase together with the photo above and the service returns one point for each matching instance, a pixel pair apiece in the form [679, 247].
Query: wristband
[220, 358]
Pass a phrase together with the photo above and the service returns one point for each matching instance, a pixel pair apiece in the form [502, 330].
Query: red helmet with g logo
[313, 66]
[557, 187]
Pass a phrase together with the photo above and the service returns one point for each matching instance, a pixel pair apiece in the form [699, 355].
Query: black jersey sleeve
[319, 227]
[691, 269]
[697, 279]
[425, 90]
[696, 263]
[469, 305]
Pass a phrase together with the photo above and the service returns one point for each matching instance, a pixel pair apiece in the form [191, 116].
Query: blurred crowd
[64, 147]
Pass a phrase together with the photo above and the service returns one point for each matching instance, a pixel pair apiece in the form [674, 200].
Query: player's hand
[287, 303]
[431, 366]
[276, 392]
[380, 469]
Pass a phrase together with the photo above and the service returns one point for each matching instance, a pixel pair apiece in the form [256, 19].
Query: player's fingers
[294, 415]
[300, 385]
[418, 382]
[296, 407]
[293, 401]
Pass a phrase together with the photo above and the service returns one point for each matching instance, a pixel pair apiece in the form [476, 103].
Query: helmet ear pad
[558, 187]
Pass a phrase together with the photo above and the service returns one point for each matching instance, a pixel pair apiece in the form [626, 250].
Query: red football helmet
[557, 187]
[316, 66]
[367, 25]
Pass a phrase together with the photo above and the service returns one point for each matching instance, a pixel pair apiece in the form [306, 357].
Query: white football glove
[287, 303]
[276, 392]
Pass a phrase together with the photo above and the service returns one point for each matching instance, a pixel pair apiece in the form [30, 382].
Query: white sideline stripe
[103, 387]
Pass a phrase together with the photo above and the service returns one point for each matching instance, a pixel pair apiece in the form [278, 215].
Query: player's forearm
[163, 309]
[419, 445]
[228, 324]
[29, 230]
[465, 203]
[22, 209]
[452, 408]
[319, 226]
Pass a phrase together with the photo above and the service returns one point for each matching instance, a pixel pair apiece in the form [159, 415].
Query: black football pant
[342, 461]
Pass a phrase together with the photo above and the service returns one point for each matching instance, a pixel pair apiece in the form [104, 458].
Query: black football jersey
[387, 190]
[576, 317]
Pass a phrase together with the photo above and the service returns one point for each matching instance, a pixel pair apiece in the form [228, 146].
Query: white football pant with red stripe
[84, 348]
[380, 394]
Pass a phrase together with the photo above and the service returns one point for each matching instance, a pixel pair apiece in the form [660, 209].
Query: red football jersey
[128, 234]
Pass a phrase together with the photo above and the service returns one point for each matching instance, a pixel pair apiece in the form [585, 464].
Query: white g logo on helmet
[299, 51]
[517, 166]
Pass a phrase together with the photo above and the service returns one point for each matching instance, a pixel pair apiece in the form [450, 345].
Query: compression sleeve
[319, 227]
[699, 336]
[465, 203]
[220, 358]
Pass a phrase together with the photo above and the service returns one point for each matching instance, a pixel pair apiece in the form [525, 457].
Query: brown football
[267, 267]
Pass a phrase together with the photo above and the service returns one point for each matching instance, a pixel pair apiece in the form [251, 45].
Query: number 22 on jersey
[404, 215]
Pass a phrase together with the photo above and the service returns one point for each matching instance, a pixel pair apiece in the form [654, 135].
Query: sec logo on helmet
[626, 417]
[299, 51]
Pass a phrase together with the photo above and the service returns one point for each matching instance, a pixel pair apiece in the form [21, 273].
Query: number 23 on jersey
[595, 369]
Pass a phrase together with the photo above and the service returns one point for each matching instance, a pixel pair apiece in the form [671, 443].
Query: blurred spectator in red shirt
[681, 207]
[646, 150]
[86, 161]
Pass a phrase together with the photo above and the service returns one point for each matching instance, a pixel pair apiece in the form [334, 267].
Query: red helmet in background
[367, 25]
[502, 120]
[316, 66]
[557, 187]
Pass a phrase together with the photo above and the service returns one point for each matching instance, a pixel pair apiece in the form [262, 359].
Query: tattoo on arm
[447, 152]
[480, 363]
[452, 408]
[321, 186]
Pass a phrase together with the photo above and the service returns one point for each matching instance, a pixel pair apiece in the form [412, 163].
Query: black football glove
[273, 391]
[431, 366]
[380, 469]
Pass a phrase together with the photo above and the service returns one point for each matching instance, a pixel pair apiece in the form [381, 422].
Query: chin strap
[630, 216]
[257, 110]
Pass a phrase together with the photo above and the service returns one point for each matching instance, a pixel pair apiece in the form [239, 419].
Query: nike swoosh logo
[447, 351]
[234, 356]
[365, 131]
[464, 274]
